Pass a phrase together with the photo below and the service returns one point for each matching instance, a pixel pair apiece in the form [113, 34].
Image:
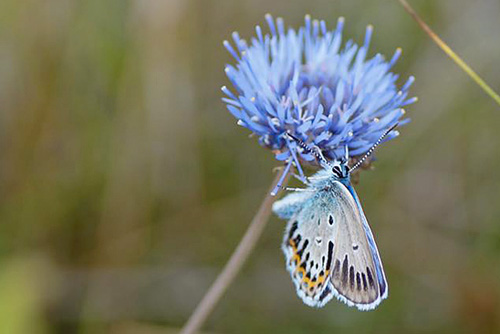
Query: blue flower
[305, 83]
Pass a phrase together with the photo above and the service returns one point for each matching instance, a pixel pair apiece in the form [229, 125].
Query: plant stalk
[235, 263]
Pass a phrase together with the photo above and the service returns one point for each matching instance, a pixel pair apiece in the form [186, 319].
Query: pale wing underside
[355, 267]
[328, 252]
[286, 207]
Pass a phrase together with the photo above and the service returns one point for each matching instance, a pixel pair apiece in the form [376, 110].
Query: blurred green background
[126, 185]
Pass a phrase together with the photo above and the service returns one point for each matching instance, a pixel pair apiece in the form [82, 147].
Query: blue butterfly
[329, 247]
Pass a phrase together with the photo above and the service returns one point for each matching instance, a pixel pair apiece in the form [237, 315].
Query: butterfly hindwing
[330, 251]
[291, 204]
[308, 251]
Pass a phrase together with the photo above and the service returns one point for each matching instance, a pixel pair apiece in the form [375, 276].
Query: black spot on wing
[370, 278]
[294, 227]
[297, 240]
[336, 270]
[358, 281]
[351, 277]
[365, 286]
[345, 265]
[325, 293]
[330, 220]
[382, 287]
[301, 251]
[330, 254]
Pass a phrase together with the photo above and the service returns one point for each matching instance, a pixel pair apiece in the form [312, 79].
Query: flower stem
[235, 263]
[456, 58]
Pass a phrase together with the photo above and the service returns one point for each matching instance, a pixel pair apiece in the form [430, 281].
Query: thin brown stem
[234, 265]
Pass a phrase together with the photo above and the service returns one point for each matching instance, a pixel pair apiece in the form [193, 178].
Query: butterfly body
[328, 245]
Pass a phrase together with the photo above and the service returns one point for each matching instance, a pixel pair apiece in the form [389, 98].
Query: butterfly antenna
[313, 150]
[370, 151]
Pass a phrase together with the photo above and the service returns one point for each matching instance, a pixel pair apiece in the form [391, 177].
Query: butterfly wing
[309, 251]
[330, 251]
[286, 207]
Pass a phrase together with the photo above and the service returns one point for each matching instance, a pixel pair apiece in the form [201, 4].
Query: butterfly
[329, 247]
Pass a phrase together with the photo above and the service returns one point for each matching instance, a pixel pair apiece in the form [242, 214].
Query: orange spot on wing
[299, 270]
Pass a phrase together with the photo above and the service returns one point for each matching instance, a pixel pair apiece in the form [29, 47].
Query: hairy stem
[462, 64]
[235, 263]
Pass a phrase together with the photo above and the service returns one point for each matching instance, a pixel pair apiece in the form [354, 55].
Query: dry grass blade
[462, 64]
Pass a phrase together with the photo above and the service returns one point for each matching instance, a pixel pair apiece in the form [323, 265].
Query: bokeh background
[125, 184]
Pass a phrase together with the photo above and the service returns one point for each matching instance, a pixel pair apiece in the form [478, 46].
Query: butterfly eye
[336, 170]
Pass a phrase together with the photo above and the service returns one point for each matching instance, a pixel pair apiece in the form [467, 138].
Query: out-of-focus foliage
[125, 184]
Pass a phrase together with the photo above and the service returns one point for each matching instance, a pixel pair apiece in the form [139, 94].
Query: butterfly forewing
[355, 265]
[329, 253]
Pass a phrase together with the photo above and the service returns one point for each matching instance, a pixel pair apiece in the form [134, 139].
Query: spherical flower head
[306, 83]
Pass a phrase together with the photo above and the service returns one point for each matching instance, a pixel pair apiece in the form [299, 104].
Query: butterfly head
[340, 169]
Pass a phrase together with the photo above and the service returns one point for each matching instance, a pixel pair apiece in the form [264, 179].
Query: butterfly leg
[305, 179]
[315, 178]
[299, 189]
